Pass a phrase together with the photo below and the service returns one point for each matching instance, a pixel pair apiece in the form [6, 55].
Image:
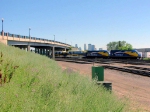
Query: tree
[120, 45]
[70, 48]
[126, 47]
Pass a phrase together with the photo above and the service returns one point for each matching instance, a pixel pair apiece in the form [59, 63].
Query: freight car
[70, 54]
[76, 54]
[61, 54]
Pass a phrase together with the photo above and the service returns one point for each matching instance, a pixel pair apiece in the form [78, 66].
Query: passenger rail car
[61, 54]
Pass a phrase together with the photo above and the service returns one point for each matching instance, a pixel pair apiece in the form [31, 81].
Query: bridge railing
[32, 38]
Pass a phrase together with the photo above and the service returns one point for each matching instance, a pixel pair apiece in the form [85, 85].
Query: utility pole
[2, 27]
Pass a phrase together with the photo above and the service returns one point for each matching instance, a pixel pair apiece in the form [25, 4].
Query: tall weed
[39, 84]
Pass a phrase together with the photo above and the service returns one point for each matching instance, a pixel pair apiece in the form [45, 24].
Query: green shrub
[146, 58]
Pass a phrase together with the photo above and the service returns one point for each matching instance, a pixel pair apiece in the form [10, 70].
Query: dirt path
[134, 87]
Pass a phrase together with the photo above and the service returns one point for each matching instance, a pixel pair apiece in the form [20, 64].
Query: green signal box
[98, 73]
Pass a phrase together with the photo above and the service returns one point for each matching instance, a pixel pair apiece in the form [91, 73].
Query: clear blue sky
[80, 21]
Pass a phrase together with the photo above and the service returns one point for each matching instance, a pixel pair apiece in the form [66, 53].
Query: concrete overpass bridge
[42, 46]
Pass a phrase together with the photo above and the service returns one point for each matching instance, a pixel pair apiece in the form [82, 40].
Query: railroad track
[130, 69]
[107, 61]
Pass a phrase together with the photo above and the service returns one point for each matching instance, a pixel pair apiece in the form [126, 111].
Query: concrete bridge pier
[36, 50]
[50, 52]
[47, 52]
[28, 47]
[40, 51]
[53, 53]
[44, 51]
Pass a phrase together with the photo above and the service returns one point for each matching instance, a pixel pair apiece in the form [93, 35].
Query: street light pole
[65, 44]
[2, 24]
[2, 27]
[28, 47]
[54, 49]
[29, 33]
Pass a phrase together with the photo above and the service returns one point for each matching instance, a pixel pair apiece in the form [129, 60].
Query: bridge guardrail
[32, 38]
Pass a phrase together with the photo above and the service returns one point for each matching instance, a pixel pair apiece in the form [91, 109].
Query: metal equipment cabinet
[98, 73]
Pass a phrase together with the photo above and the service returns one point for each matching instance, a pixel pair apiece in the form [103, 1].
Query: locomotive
[125, 54]
[113, 54]
[97, 54]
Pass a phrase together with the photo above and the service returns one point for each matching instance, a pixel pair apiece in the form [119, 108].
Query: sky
[96, 22]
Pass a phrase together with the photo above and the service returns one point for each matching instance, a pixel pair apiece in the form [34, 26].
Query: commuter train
[113, 54]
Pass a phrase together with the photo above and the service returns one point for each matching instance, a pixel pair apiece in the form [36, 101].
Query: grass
[40, 85]
[146, 59]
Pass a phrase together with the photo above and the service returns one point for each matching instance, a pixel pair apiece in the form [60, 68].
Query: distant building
[100, 49]
[93, 47]
[85, 47]
[145, 52]
[80, 49]
[74, 49]
[76, 45]
[89, 47]
[142, 49]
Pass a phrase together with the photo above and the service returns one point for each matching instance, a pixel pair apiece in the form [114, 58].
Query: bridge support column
[53, 52]
[28, 48]
[46, 52]
[50, 53]
[35, 50]
[38, 50]
[41, 51]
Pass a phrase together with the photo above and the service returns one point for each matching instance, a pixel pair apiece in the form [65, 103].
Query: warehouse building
[145, 52]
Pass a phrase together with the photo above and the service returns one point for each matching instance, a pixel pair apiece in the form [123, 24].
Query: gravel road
[133, 87]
